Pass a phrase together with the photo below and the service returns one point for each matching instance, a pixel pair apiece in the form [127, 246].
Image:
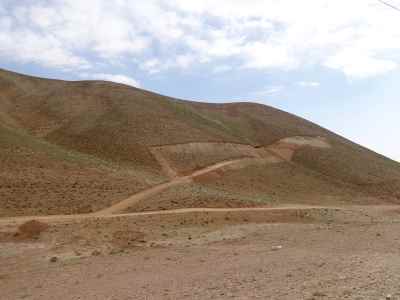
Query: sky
[336, 63]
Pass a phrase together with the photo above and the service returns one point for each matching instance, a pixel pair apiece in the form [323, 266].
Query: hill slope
[76, 147]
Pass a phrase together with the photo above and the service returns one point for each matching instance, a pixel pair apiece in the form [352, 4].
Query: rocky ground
[322, 253]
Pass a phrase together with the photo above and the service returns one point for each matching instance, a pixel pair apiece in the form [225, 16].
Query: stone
[275, 248]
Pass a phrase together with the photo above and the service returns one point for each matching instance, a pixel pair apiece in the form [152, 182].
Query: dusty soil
[319, 253]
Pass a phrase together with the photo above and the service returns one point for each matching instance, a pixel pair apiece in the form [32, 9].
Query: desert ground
[112, 192]
[279, 253]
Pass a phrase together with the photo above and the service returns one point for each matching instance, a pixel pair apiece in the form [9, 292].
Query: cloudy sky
[335, 62]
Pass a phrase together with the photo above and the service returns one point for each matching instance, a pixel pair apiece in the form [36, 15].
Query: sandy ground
[351, 253]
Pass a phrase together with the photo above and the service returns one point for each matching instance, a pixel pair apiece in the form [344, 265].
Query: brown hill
[77, 147]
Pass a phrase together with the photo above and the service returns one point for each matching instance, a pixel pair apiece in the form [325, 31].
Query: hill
[79, 147]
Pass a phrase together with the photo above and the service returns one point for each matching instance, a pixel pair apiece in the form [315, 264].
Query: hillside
[78, 147]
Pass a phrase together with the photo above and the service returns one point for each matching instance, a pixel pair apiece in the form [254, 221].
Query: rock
[275, 248]
[54, 259]
[96, 253]
[389, 297]
[319, 294]
[116, 251]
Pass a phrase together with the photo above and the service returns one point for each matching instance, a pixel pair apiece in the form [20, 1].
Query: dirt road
[176, 212]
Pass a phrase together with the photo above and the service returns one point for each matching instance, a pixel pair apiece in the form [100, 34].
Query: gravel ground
[353, 255]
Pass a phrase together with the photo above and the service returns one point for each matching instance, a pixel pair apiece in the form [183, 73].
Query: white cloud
[113, 77]
[46, 51]
[265, 56]
[311, 84]
[357, 64]
[268, 91]
[154, 65]
[184, 61]
[359, 38]
[151, 66]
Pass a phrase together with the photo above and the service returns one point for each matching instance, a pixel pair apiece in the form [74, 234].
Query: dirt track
[121, 206]
[176, 212]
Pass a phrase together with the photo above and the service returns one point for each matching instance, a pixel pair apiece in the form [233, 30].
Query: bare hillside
[79, 147]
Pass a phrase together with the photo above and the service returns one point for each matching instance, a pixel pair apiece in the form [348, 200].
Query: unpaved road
[177, 212]
[127, 203]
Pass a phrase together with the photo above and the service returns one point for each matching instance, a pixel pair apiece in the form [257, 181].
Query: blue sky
[336, 63]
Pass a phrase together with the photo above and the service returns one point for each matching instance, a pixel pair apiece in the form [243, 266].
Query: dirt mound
[31, 229]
